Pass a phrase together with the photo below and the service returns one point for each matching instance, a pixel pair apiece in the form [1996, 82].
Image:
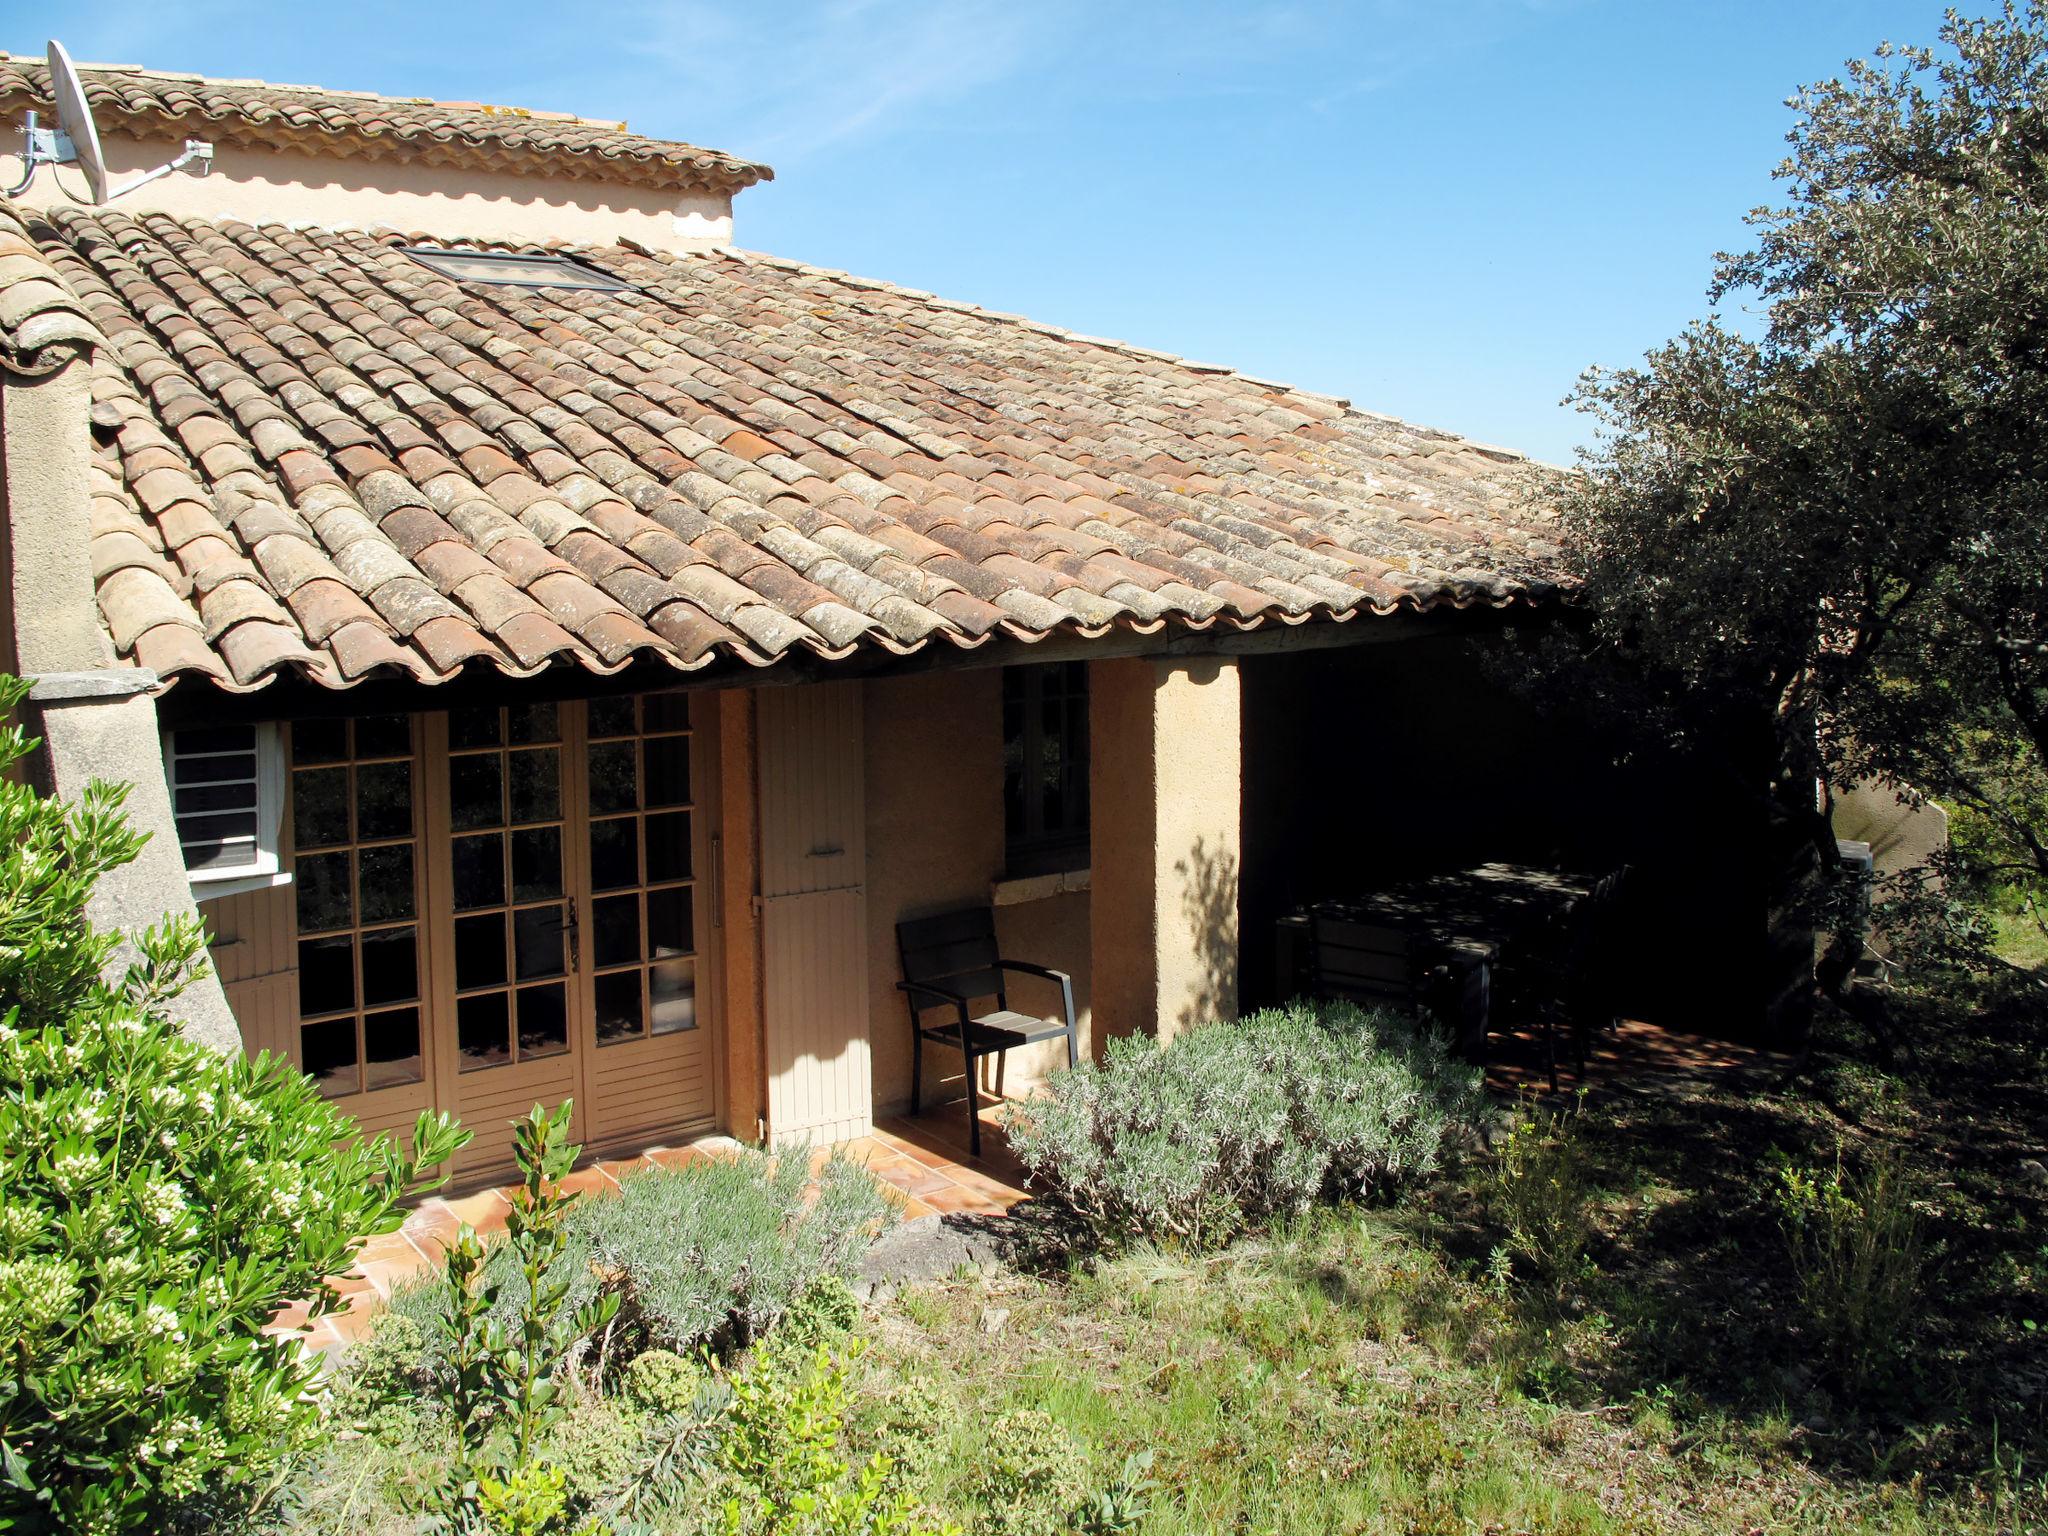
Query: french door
[499, 906]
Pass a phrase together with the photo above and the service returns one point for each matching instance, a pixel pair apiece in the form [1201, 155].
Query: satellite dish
[74, 118]
[76, 141]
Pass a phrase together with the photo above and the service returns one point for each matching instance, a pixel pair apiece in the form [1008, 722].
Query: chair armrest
[1035, 970]
[1061, 978]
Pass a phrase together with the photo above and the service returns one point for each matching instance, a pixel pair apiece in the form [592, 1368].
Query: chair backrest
[955, 950]
[1361, 962]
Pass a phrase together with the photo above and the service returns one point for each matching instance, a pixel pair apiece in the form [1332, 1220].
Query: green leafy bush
[1858, 1247]
[662, 1381]
[1543, 1195]
[162, 1203]
[1031, 1478]
[1233, 1124]
[786, 1470]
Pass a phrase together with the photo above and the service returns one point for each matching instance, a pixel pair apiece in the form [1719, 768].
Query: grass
[1373, 1371]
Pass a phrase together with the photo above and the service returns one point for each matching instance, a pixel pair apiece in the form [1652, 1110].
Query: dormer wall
[292, 187]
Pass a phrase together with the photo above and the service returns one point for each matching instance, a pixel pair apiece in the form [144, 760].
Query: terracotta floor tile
[484, 1211]
[675, 1157]
[914, 1209]
[618, 1169]
[965, 1202]
[588, 1181]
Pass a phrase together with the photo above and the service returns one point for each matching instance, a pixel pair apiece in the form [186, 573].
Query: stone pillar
[1165, 803]
[96, 720]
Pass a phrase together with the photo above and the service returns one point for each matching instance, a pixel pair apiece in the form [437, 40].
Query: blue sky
[1441, 209]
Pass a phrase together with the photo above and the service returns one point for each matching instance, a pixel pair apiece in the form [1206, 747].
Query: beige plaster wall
[1166, 796]
[935, 843]
[1901, 835]
[287, 187]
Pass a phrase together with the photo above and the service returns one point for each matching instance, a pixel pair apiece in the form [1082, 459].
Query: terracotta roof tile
[338, 463]
[357, 124]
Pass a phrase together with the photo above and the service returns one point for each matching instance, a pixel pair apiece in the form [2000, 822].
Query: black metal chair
[951, 962]
[1380, 964]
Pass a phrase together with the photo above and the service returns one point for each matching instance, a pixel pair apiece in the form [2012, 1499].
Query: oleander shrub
[1231, 1125]
[158, 1203]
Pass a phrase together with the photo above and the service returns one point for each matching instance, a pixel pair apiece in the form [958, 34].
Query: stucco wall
[1167, 794]
[935, 843]
[271, 186]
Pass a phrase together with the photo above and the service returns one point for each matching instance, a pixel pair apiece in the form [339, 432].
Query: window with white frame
[226, 784]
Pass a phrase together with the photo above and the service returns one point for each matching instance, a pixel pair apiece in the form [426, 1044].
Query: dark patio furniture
[1378, 963]
[951, 963]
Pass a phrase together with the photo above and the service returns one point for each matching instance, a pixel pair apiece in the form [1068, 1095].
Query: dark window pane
[319, 741]
[479, 864]
[217, 738]
[536, 863]
[483, 1035]
[385, 875]
[211, 770]
[384, 800]
[327, 975]
[615, 929]
[384, 736]
[614, 853]
[672, 987]
[669, 922]
[472, 728]
[537, 942]
[391, 1048]
[536, 793]
[543, 1021]
[323, 891]
[665, 711]
[618, 1007]
[219, 828]
[476, 791]
[479, 951]
[214, 797]
[611, 717]
[320, 807]
[668, 846]
[391, 966]
[668, 771]
[612, 779]
[533, 722]
[327, 1053]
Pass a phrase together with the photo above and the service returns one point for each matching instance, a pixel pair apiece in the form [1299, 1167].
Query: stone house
[554, 645]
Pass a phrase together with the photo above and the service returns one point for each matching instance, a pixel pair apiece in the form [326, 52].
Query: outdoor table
[1473, 917]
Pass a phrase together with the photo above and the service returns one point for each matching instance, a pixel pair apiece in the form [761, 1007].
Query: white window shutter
[227, 798]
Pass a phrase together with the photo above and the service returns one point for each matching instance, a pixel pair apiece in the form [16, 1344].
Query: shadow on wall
[1208, 904]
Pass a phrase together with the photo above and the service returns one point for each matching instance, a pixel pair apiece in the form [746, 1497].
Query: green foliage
[707, 1255]
[531, 1501]
[162, 1203]
[1031, 1478]
[1543, 1194]
[662, 1381]
[512, 1374]
[1231, 1125]
[1858, 1247]
[787, 1473]
[1830, 546]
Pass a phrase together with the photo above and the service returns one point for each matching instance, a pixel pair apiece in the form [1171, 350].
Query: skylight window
[507, 269]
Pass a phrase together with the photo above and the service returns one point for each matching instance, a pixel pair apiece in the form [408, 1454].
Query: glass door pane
[514, 916]
[356, 869]
[642, 876]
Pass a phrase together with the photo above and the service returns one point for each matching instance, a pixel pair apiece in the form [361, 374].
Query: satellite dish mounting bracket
[77, 142]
